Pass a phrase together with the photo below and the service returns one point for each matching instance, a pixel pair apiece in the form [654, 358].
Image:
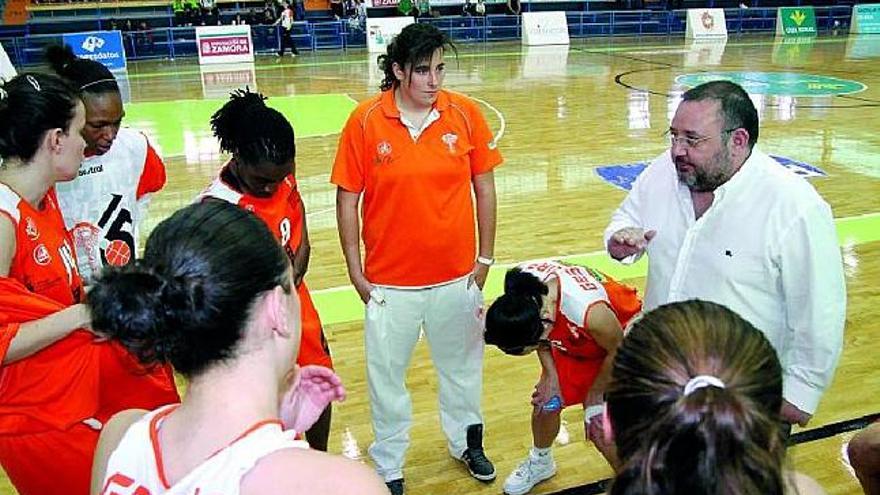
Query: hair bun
[520, 283]
[60, 57]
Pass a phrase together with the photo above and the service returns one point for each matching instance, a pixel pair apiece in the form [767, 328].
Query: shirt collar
[742, 176]
[389, 106]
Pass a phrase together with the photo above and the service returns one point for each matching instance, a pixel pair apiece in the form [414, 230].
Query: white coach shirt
[766, 248]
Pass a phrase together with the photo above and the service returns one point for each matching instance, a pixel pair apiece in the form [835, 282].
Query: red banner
[230, 45]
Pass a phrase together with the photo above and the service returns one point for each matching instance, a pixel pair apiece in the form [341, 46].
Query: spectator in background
[468, 8]
[179, 12]
[513, 7]
[209, 12]
[480, 8]
[286, 22]
[337, 9]
[269, 15]
[299, 10]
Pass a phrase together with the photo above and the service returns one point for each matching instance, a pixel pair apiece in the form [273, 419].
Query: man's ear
[740, 138]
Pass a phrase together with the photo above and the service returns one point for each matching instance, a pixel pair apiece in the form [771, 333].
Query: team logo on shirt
[383, 153]
[449, 139]
[383, 148]
[30, 228]
[41, 255]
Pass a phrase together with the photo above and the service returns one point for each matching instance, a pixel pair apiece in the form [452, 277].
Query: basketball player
[573, 316]
[49, 365]
[107, 203]
[103, 208]
[259, 177]
[213, 296]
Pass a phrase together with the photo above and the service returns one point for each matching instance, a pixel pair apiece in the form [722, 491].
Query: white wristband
[593, 411]
[485, 261]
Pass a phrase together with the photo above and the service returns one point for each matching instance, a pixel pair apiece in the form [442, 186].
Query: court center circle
[778, 83]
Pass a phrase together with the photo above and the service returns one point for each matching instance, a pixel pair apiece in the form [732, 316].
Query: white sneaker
[529, 473]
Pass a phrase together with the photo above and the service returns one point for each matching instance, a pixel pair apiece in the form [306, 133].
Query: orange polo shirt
[418, 212]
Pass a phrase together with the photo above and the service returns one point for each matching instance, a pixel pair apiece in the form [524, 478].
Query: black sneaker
[395, 486]
[477, 463]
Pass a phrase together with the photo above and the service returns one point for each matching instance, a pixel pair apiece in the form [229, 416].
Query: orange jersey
[57, 386]
[418, 212]
[44, 259]
[283, 214]
[576, 354]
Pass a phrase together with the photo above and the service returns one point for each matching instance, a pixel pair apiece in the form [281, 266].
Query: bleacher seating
[149, 29]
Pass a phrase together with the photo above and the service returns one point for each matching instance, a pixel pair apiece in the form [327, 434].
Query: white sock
[543, 454]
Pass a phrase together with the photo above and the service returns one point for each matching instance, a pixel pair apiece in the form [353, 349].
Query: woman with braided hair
[259, 177]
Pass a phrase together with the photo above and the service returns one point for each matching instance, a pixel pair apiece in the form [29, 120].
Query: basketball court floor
[575, 127]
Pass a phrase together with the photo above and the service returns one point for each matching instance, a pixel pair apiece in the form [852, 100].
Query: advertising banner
[100, 46]
[224, 44]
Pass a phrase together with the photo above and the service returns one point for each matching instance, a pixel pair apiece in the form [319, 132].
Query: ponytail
[694, 403]
[513, 321]
[712, 441]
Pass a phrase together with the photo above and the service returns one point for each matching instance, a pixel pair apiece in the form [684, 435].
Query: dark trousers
[287, 41]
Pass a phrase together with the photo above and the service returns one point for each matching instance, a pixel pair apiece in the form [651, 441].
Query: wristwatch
[485, 261]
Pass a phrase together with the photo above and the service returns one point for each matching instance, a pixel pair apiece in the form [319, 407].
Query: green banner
[865, 19]
[796, 21]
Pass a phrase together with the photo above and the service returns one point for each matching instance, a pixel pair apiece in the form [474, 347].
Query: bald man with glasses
[721, 221]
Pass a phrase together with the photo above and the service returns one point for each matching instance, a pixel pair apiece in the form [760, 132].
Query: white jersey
[578, 288]
[136, 466]
[104, 206]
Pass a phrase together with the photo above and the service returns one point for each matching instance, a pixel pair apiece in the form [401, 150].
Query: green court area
[341, 304]
[172, 123]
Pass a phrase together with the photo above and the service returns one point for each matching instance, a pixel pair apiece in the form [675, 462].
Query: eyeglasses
[693, 142]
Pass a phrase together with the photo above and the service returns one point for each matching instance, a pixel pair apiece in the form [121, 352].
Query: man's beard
[706, 178]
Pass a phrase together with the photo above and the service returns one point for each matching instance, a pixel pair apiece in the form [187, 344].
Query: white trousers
[451, 316]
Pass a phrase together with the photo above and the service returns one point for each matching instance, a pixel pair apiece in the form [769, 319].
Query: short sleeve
[348, 168]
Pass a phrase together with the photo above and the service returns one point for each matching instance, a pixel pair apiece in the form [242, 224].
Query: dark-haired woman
[49, 371]
[213, 296]
[573, 317]
[259, 177]
[103, 208]
[694, 407]
[414, 167]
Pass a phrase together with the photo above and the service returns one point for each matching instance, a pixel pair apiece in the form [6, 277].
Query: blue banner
[100, 46]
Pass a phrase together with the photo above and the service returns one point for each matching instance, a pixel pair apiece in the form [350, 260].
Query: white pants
[451, 317]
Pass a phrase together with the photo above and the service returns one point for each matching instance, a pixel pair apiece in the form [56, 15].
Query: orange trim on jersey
[157, 449]
[153, 175]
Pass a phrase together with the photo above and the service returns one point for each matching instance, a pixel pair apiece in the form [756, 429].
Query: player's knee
[864, 450]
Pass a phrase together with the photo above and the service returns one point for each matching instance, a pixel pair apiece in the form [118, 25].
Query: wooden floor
[563, 114]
